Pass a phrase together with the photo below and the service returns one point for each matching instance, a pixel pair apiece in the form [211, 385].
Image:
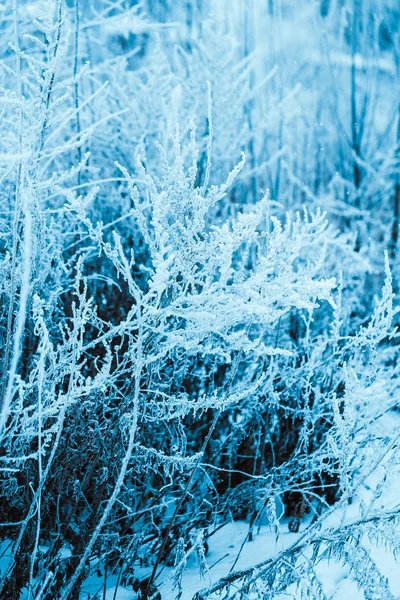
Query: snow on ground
[225, 544]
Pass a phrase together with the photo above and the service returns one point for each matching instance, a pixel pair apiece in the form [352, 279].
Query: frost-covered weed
[180, 345]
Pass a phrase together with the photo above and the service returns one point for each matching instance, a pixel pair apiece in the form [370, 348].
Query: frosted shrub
[213, 295]
[177, 349]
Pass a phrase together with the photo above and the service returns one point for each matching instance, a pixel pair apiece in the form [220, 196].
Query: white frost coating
[21, 314]
[199, 275]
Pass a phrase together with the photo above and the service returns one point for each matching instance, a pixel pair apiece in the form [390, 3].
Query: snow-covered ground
[227, 543]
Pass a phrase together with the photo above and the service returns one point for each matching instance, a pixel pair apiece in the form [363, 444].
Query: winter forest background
[199, 333]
